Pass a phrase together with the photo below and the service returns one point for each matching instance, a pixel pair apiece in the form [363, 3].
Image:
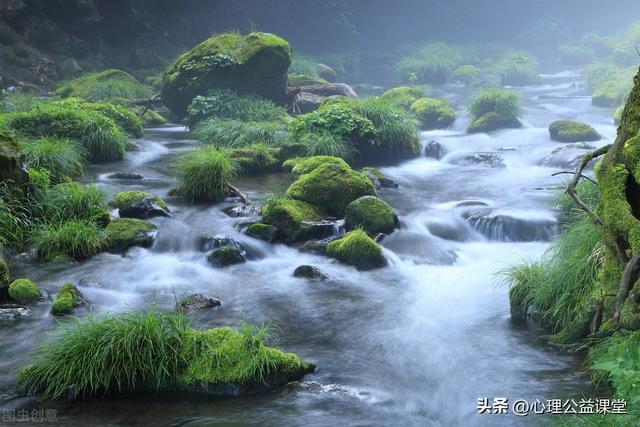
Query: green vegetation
[62, 157]
[15, 102]
[11, 166]
[232, 133]
[77, 239]
[371, 214]
[576, 54]
[5, 277]
[467, 74]
[204, 174]
[103, 85]
[310, 164]
[266, 232]
[253, 64]
[289, 216]
[256, 159]
[125, 233]
[404, 96]
[494, 108]
[572, 131]
[74, 201]
[324, 143]
[431, 64]
[304, 65]
[24, 291]
[125, 199]
[155, 351]
[358, 249]
[518, 69]
[127, 118]
[433, 113]
[68, 298]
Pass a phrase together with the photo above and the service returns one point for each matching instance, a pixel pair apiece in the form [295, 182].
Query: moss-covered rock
[572, 131]
[255, 64]
[332, 187]
[433, 113]
[126, 233]
[12, 166]
[5, 278]
[373, 215]
[266, 232]
[104, 85]
[612, 93]
[256, 160]
[489, 122]
[327, 73]
[68, 298]
[404, 96]
[292, 217]
[358, 249]
[139, 204]
[24, 291]
[467, 74]
[306, 165]
[226, 256]
[152, 118]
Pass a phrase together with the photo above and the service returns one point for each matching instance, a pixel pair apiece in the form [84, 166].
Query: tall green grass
[77, 239]
[506, 103]
[231, 133]
[104, 85]
[73, 201]
[63, 157]
[203, 174]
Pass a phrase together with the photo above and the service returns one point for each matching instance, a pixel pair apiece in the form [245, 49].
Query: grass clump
[24, 291]
[68, 298]
[103, 85]
[233, 133]
[494, 108]
[62, 157]
[518, 69]
[467, 74]
[74, 201]
[404, 96]
[204, 174]
[76, 239]
[433, 113]
[324, 143]
[127, 118]
[358, 249]
[15, 102]
[430, 64]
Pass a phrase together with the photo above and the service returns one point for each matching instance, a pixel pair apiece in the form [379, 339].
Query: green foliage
[24, 291]
[506, 103]
[358, 249]
[97, 356]
[74, 201]
[226, 104]
[104, 85]
[15, 102]
[304, 65]
[337, 119]
[16, 218]
[76, 238]
[232, 133]
[431, 64]
[125, 117]
[518, 69]
[63, 157]
[404, 96]
[599, 73]
[615, 90]
[569, 211]
[324, 143]
[310, 164]
[576, 54]
[257, 158]
[68, 298]
[467, 74]
[433, 113]
[204, 174]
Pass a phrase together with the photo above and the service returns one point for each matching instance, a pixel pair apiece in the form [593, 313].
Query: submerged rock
[10, 312]
[568, 156]
[128, 176]
[310, 272]
[140, 204]
[434, 150]
[508, 226]
[241, 211]
[209, 243]
[491, 160]
[197, 302]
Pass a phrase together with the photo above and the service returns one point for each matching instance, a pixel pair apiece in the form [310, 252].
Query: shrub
[431, 64]
[232, 133]
[125, 117]
[204, 174]
[104, 85]
[599, 73]
[77, 239]
[74, 201]
[506, 103]
[226, 104]
[63, 157]
[337, 119]
[24, 291]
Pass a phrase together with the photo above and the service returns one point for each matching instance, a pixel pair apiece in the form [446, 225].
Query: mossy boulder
[332, 187]
[12, 167]
[358, 249]
[306, 165]
[68, 298]
[152, 118]
[372, 214]
[467, 74]
[126, 233]
[433, 113]
[491, 121]
[572, 131]
[404, 96]
[226, 256]
[5, 278]
[254, 64]
[327, 73]
[24, 291]
[292, 217]
[139, 204]
[266, 232]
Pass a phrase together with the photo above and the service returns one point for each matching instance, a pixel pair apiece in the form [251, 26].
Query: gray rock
[330, 89]
[197, 302]
[310, 272]
[434, 150]
[491, 160]
[129, 176]
[144, 208]
[13, 311]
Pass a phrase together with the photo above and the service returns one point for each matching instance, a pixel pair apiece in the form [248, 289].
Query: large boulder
[294, 218]
[358, 249]
[491, 121]
[253, 64]
[332, 187]
[12, 167]
[372, 214]
[433, 113]
[140, 204]
[572, 131]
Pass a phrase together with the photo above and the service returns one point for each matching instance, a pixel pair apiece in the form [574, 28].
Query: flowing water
[415, 343]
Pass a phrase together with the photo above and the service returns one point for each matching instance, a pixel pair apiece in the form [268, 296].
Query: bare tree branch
[573, 173]
[629, 276]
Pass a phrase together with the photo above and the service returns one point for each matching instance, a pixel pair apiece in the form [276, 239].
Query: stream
[415, 343]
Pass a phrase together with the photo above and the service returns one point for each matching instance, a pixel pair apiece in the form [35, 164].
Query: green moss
[290, 216]
[358, 249]
[262, 231]
[125, 117]
[615, 89]
[493, 121]
[256, 63]
[332, 187]
[11, 167]
[373, 171]
[226, 256]
[256, 159]
[572, 131]
[126, 233]
[125, 199]
[152, 118]
[310, 164]
[103, 85]
[371, 214]
[24, 291]
[433, 113]
[404, 96]
[68, 298]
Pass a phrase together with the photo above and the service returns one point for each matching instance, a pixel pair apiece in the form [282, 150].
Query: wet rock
[126, 233]
[226, 256]
[451, 228]
[318, 247]
[420, 248]
[262, 231]
[378, 179]
[197, 302]
[128, 176]
[372, 214]
[306, 102]
[13, 311]
[491, 160]
[326, 72]
[241, 211]
[434, 150]
[514, 226]
[356, 248]
[492, 121]
[568, 156]
[572, 131]
[330, 89]
[140, 205]
[209, 243]
[310, 272]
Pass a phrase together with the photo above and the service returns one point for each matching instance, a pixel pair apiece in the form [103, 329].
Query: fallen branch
[573, 173]
[236, 192]
[629, 276]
